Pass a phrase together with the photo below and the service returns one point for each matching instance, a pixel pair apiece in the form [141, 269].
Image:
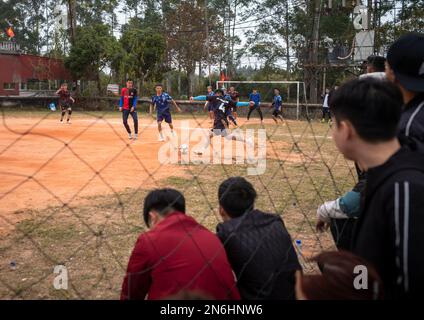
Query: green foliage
[94, 49]
[144, 49]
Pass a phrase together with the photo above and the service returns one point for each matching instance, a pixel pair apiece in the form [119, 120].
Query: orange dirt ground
[38, 170]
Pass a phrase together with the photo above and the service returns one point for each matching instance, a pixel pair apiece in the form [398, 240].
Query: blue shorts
[210, 107]
[165, 115]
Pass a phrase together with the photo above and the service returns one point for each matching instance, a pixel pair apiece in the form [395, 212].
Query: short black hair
[237, 196]
[372, 106]
[219, 91]
[163, 201]
[277, 89]
[377, 62]
[158, 85]
[129, 79]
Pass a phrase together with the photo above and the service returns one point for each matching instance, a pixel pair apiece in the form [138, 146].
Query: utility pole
[72, 19]
[313, 85]
[208, 58]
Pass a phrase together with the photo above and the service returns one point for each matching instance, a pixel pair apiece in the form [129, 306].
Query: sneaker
[173, 133]
[130, 136]
[69, 122]
[161, 139]
[322, 120]
[136, 136]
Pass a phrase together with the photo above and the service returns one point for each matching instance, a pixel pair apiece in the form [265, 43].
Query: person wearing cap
[405, 68]
[375, 68]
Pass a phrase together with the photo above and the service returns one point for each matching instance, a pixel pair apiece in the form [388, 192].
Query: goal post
[300, 85]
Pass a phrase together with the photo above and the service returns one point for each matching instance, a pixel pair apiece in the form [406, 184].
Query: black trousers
[342, 232]
[258, 109]
[326, 111]
[125, 114]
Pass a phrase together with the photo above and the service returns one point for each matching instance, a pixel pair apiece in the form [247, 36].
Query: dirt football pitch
[72, 195]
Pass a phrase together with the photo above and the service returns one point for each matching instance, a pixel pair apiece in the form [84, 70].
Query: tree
[94, 50]
[144, 51]
[187, 38]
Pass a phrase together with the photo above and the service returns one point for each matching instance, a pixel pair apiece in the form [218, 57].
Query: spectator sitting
[375, 68]
[390, 230]
[258, 245]
[340, 272]
[176, 254]
[341, 214]
[405, 68]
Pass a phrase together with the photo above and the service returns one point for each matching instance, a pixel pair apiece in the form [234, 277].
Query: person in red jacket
[176, 254]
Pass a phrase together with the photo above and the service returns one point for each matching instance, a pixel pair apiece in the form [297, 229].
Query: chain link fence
[89, 229]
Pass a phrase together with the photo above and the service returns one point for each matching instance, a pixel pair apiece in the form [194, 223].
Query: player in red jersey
[127, 105]
[65, 102]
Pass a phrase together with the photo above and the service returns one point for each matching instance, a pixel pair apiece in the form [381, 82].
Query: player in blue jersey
[160, 102]
[278, 106]
[255, 104]
[207, 104]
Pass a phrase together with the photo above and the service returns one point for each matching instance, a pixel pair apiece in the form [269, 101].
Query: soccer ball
[184, 149]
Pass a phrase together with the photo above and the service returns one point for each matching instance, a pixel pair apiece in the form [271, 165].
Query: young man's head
[158, 89]
[405, 64]
[255, 91]
[276, 91]
[366, 111]
[375, 64]
[129, 83]
[159, 203]
[232, 89]
[236, 197]
[327, 90]
[219, 92]
[337, 278]
[64, 86]
[209, 88]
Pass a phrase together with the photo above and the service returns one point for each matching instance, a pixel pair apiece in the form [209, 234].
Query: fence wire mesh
[73, 195]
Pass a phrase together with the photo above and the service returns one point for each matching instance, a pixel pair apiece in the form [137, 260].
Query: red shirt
[178, 254]
[127, 96]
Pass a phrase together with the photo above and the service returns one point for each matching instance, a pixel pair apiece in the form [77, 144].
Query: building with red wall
[27, 75]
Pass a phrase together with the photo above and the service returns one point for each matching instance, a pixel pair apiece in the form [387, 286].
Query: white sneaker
[68, 122]
[161, 139]
[136, 137]
[129, 136]
[173, 133]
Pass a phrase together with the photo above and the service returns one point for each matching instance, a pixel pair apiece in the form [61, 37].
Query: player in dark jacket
[390, 230]
[221, 108]
[258, 246]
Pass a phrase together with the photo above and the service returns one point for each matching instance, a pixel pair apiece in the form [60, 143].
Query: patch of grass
[94, 239]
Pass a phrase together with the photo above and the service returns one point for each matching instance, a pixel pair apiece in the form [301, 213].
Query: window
[8, 86]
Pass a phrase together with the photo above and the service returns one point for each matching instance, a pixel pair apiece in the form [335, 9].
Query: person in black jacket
[258, 245]
[405, 68]
[390, 230]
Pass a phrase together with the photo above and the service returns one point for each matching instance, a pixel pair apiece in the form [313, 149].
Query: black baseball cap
[406, 59]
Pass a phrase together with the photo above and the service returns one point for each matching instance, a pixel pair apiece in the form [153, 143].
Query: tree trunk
[179, 80]
[313, 81]
[72, 19]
